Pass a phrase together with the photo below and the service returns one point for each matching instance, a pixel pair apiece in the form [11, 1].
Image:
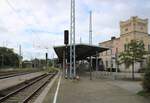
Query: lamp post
[2, 62]
[65, 54]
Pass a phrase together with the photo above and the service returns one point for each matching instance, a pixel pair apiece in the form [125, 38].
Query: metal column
[90, 42]
[64, 63]
[96, 61]
[72, 41]
[20, 57]
[90, 29]
[91, 68]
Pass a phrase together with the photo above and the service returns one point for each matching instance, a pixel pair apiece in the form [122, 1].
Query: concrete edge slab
[20, 80]
[42, 96]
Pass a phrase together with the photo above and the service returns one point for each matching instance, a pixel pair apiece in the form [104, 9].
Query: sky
[38, 25]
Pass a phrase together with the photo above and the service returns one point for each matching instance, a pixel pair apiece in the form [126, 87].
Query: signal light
[66, 37]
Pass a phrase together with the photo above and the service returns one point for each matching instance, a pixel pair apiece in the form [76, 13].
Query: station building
[133, 29]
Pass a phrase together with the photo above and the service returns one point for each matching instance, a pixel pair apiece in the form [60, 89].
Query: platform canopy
[82, 51]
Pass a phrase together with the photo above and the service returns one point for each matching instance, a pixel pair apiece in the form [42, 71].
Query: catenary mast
[72, 41]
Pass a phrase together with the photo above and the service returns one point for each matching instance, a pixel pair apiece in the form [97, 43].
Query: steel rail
[18, 90]
[34, 92]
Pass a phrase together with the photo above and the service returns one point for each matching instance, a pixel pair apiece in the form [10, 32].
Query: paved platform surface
[131, 86]
[8, 82]
[95, 91]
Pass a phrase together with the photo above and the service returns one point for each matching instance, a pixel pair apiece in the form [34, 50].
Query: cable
[14, 10]
[12, 7]
[36, 21]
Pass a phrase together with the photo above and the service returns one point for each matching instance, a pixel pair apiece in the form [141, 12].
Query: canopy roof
[82, 51]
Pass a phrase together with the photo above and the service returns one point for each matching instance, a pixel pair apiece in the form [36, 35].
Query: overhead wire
[10, 4]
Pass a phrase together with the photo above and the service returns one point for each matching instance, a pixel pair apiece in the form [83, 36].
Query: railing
[116, 75]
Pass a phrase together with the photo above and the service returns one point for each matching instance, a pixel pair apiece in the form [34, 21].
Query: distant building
[133, 29]
[27, 64]
[35, 63]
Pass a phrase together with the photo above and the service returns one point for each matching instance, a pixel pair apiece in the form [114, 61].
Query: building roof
[82, 51]
[109, 40]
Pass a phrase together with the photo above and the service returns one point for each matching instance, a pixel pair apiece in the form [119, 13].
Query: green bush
[146, 81]
[52, 69]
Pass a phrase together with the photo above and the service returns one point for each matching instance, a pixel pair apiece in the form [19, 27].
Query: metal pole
[2, 60]
[111, 61]
[74, 48]
[53, 61]
[46, 55]
[90, 42]
[71, 41]
[90, 68]
[90, 29]
[80, 40]
[96, 61]
[117, 64]
[66, 61]
[116, 60]
[20, 58]
[64, 69]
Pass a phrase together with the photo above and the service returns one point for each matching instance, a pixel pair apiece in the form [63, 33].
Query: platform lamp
[65, 59]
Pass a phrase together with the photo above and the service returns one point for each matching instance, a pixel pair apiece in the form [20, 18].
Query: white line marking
[56, 93]
[42, 96]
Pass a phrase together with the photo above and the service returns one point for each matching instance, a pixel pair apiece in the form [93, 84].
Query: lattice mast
[72, 41]
[90, 28]
[90, 41]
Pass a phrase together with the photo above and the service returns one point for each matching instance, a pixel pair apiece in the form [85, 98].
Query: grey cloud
[54, 16]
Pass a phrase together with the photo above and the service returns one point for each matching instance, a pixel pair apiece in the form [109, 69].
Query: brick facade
[132, 29]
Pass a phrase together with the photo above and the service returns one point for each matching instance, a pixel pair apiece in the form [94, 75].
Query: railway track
[4, 75]
[13, 75]
[26, 93]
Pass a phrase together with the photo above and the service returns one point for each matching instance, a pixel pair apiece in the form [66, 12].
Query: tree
[134, 52]
[8, 57]
[146, 80]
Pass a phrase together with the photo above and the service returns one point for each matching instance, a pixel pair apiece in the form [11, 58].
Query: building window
[125, 47]
[111, 51]
[141, 64]
[116, 50]
[141, 28]
[112, 63]
[106, 63]
[149, 47]
[126, 39]
[106, 52]
[126, 29]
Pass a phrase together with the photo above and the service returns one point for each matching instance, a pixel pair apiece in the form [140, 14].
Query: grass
[144, 93]
[52, 69]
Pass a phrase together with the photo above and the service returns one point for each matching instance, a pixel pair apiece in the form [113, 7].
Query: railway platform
[12, 81]
[91, 91]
